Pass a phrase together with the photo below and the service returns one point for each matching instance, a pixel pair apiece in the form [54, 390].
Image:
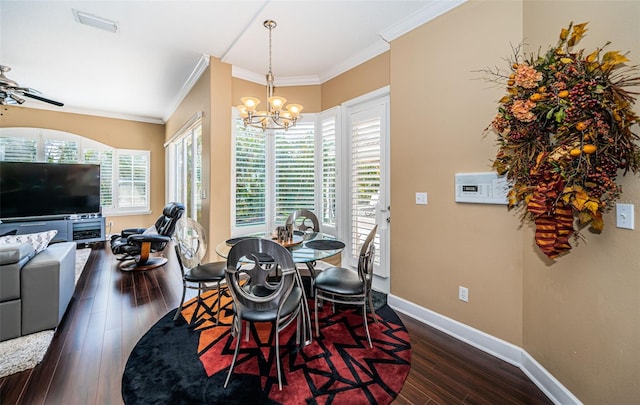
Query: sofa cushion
[15, 252]
[13, 257]
[39, 240]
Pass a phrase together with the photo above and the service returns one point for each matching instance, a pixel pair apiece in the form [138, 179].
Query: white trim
[194, 118]
[375, 49]
[198, 70]
[260, 78]
[98, 113]
[375, 94]
[431, 11]
[492, 345]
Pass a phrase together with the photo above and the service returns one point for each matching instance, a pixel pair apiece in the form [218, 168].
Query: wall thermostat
[482, 188]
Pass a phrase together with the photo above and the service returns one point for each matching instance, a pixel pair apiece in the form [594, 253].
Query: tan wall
[370, 75]
[198, 100]
[117, 133]
[582, 312]
[439, 109]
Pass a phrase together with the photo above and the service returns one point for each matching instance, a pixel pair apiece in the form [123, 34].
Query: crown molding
[244, 74]
[200, 67]
[366, 54]
[434, 9]
[98, 113]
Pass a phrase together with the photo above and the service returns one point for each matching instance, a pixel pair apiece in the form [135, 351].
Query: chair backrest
[304, 220]
[367, 257]
[190, 237]
[166, 223]
[259, 291]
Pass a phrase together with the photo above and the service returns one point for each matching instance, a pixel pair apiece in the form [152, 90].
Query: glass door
[368, 180]
[185, 171]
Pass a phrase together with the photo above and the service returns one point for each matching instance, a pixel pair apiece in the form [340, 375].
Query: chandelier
[277, 116]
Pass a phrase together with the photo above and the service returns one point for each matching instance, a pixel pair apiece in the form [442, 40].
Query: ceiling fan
[10, 92]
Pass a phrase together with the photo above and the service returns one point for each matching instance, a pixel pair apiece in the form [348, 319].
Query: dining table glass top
[305, 248]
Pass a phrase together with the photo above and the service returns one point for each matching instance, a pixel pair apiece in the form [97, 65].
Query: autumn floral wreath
[564, 134]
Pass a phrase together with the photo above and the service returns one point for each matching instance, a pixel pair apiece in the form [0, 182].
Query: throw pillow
[12, 232]
[39, 240]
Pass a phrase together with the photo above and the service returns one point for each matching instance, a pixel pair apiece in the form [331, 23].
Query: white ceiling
[144, 70]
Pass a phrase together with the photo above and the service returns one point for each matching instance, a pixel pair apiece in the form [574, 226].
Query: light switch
[421, 198]
[624, 216]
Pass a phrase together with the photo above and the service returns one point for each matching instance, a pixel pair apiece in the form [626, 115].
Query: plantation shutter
[18, 149]
[133, 178]
[328, 204]
[250, 161]
[365, 177]
[294, 170]
[105, 159]
[61, 151]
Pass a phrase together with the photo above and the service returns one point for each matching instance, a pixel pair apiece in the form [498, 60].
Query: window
[294, 181]
[328, 170]
[105, 159]
[124, 174]
[184, 180]
[275, 174]
[250, 177]
[133, 178]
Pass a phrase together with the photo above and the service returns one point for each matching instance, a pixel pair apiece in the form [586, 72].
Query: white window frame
[270, 222]
[84, 144]
[188, 130]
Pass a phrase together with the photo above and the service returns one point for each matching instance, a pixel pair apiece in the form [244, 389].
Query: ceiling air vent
[95, 21]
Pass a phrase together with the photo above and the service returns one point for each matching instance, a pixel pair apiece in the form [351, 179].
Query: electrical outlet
[110, 223]
[463, 293]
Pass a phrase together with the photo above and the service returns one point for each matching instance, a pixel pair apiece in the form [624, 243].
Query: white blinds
[365, 177]
[294, 162]
[132, 180]
[18, 149]
[250, 175]
[105, 159]
[328, 204]
[61, 151]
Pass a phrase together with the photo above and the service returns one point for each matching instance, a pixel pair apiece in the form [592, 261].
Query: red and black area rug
[178, 363]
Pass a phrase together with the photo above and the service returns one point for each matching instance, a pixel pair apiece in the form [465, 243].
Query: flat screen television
[29, 190]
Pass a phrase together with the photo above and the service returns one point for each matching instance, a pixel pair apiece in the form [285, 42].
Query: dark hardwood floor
[111, 310]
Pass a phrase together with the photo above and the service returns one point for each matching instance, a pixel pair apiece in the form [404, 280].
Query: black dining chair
[259, 296]
[307, 224]
[345, 286]
[304, 221]
[190, 244]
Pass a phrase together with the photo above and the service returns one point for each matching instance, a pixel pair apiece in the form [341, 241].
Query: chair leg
[316, 315]
[278, 356]
[218, 311]
[179, 310]
[235, 354]
[366, 325]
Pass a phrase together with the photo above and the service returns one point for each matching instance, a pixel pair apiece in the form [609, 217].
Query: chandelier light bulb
[250, 103]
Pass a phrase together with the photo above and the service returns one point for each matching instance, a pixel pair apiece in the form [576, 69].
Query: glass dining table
[305, 248]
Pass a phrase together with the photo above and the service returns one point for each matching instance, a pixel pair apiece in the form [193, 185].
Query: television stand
[76, 229]
[86, 230]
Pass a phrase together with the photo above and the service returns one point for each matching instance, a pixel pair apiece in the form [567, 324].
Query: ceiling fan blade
[46, 100]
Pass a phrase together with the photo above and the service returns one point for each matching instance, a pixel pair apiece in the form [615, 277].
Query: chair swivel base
[151, 263]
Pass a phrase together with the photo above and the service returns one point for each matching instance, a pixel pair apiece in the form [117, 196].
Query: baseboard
[492, 345]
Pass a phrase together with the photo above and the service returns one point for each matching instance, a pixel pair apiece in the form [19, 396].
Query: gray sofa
[35, 289]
